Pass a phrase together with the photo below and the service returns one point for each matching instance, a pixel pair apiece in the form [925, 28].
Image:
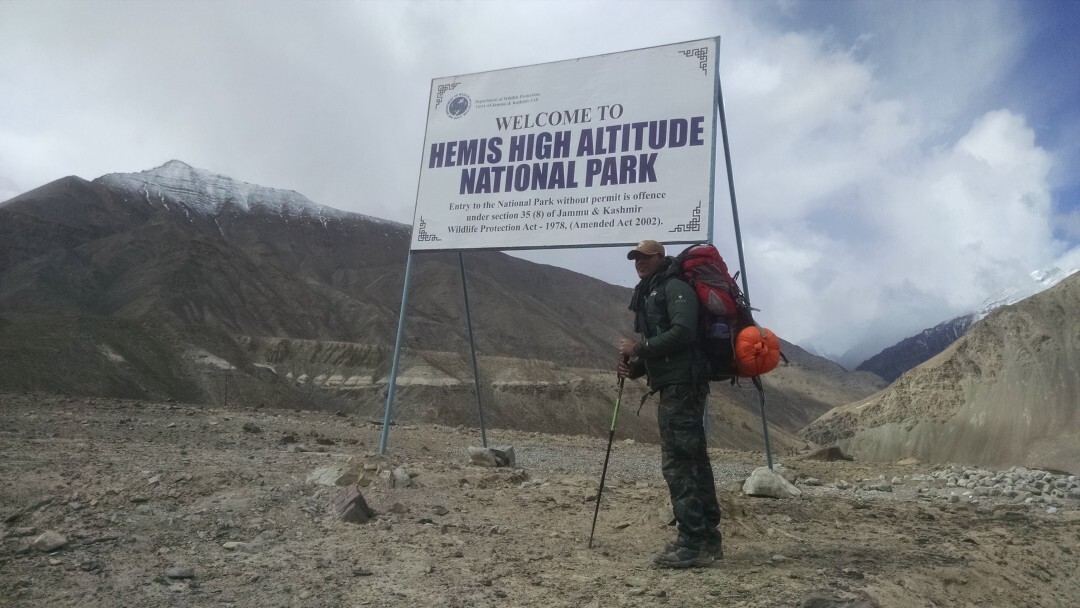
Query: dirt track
[144, 490]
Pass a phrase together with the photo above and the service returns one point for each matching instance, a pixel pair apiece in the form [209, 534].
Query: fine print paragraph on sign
[553, 213]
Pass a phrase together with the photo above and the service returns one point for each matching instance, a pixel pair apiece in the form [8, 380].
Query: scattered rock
[251, 427]
[18, 546]
[397, 478]
[334, 476]
[180, 572]
[768, 483]
[50, 540]
[263, 540]
[829, 454]
[350, 506]
[493, 457]
[853, 573]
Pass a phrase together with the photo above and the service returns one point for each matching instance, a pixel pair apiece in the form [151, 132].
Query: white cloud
[862, 219]
[878, 192]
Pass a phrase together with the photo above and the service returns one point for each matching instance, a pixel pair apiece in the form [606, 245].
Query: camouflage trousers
[685, 462]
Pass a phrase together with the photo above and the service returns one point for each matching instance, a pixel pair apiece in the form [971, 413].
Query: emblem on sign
[459, 105]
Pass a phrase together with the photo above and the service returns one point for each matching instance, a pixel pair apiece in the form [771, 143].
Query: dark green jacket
[666, 316]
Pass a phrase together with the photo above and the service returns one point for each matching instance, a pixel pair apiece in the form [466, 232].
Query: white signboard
[605, 150]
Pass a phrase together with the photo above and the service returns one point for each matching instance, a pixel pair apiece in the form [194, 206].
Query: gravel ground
[125, 503]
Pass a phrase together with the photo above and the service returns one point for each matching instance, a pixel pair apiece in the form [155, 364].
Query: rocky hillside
[179, 283]
[213, 255]
[1007, 393]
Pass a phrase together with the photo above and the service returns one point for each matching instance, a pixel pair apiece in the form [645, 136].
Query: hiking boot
[683, 557]
[713, 546]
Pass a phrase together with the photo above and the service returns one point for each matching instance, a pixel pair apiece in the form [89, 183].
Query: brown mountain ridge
[176, 283]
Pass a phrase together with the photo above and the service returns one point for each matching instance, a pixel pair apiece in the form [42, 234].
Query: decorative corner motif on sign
[423, 236]
[694, 225]
[702, 55]
[443, 88]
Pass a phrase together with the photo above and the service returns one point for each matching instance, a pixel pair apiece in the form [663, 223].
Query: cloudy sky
[896, 163]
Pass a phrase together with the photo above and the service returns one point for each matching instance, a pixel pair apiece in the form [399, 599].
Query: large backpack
[727, 332]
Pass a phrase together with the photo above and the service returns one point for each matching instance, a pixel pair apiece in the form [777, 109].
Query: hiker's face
[647, 265]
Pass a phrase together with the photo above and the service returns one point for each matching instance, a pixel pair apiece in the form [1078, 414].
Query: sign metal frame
[717, 112]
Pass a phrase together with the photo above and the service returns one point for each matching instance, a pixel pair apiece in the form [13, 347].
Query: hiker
[666, 318]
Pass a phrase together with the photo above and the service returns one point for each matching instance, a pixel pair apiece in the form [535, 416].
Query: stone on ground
[829, 454]
[493, 457]
[350, 506]
[50, 540]
[334, 476]
[768, 483]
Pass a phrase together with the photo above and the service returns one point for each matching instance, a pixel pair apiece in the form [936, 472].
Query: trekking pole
[603, 474]
[764, 424]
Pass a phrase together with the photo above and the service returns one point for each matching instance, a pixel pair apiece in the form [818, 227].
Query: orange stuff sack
[755, 353]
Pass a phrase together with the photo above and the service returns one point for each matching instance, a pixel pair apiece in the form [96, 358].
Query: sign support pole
[742, 260]
[472, 348]
[397, 352]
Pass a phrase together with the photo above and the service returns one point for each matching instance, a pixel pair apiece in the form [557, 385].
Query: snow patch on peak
[1051, 277]
[209, 193]
[1041, 281]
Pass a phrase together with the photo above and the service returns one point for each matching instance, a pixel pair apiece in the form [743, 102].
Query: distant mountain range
[1005, 393]
[179, 283]
[892, 362]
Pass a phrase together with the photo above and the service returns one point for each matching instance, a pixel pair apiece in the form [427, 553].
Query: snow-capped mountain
[892, 362]
[179, 184]
[1041, 280]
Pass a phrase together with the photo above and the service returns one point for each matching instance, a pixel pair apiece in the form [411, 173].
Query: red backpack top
[707, 273]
